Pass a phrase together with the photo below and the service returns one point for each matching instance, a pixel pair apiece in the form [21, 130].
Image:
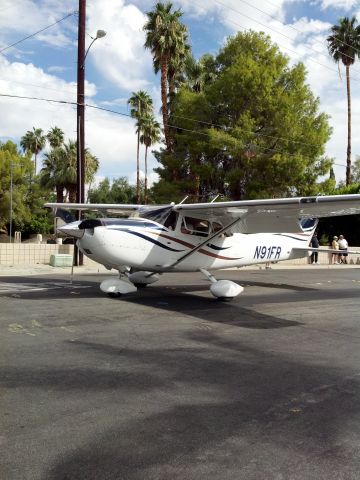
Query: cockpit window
[195, 226]
[157, 214]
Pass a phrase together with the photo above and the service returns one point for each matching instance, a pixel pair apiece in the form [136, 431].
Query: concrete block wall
[324, 258]
[32, 254]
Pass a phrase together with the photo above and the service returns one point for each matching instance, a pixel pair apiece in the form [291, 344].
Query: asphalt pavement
[168, 382]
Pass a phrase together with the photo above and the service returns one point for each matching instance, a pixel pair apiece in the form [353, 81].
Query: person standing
[315, 244]
[335, 246]
[343, 247]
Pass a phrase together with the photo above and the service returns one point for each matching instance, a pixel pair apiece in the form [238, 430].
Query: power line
[36, 33]
[264, 149]
[280, 33]
[296, 29]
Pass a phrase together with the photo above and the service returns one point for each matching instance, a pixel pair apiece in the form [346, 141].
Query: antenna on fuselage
[184, 199]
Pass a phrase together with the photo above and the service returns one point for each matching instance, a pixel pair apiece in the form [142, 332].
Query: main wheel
[114, 294]
[140, 285]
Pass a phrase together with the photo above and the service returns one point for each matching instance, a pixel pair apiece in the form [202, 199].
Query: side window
[216, 227]
[195, 226]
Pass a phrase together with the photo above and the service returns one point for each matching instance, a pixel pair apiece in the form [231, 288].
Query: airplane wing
[272, 215]
[94, 207]
[254, 216]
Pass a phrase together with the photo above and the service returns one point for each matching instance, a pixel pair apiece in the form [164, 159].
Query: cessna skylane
[199, 237]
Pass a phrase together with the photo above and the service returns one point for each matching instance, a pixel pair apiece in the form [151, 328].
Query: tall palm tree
[344, 45]
[177, 66]
[141, 104]
[33, 141]
[150, 133]
[165, 36]
[55, 137]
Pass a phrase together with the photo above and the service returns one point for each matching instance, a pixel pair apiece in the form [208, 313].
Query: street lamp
[99, 34]
[80, 117]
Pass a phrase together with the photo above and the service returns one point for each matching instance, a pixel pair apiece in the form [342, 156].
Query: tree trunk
[138, 170]
[164, 97]
[146, 179]
[72, 193]
[59, 194]
[348, 152]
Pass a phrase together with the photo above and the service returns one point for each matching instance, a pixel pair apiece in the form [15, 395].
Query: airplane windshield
[159, 215]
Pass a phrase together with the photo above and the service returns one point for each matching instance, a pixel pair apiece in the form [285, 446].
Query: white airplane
[200, 237]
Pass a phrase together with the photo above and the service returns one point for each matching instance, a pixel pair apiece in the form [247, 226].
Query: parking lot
[169, 383]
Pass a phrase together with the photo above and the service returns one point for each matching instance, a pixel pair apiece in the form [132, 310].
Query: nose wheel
[115, 287]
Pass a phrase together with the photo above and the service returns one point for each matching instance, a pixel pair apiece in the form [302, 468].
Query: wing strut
[208, 239]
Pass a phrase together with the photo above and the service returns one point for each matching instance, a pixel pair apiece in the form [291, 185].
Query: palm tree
[344, 45]
[200, 72]
[150, 133]
[33, 141]
[52, 174]
[165, 37]
[60, 170]
[141, 104]
[55, 137]
[177, 66]
[69, 168]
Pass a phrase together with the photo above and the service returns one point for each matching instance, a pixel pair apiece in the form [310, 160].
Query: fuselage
[148, 245]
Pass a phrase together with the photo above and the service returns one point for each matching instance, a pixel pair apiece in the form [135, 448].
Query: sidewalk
[41, 269]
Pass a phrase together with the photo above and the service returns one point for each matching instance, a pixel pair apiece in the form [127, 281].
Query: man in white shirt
[343, 246]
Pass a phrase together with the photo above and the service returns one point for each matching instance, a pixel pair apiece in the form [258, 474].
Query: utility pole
[80, 127]
[11, 198]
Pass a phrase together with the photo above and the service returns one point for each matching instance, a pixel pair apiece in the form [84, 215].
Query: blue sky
[45, 65]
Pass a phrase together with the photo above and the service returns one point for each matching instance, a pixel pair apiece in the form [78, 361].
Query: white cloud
[338, 4]
[26, 17]
[120, 56]
[57, 69]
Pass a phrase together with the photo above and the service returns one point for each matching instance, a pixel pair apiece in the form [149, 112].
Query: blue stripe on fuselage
[155, 242]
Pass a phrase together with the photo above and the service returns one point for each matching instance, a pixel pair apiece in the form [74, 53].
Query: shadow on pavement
[225, 410]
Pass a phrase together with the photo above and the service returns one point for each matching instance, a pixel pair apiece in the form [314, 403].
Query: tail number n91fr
[272, 252]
